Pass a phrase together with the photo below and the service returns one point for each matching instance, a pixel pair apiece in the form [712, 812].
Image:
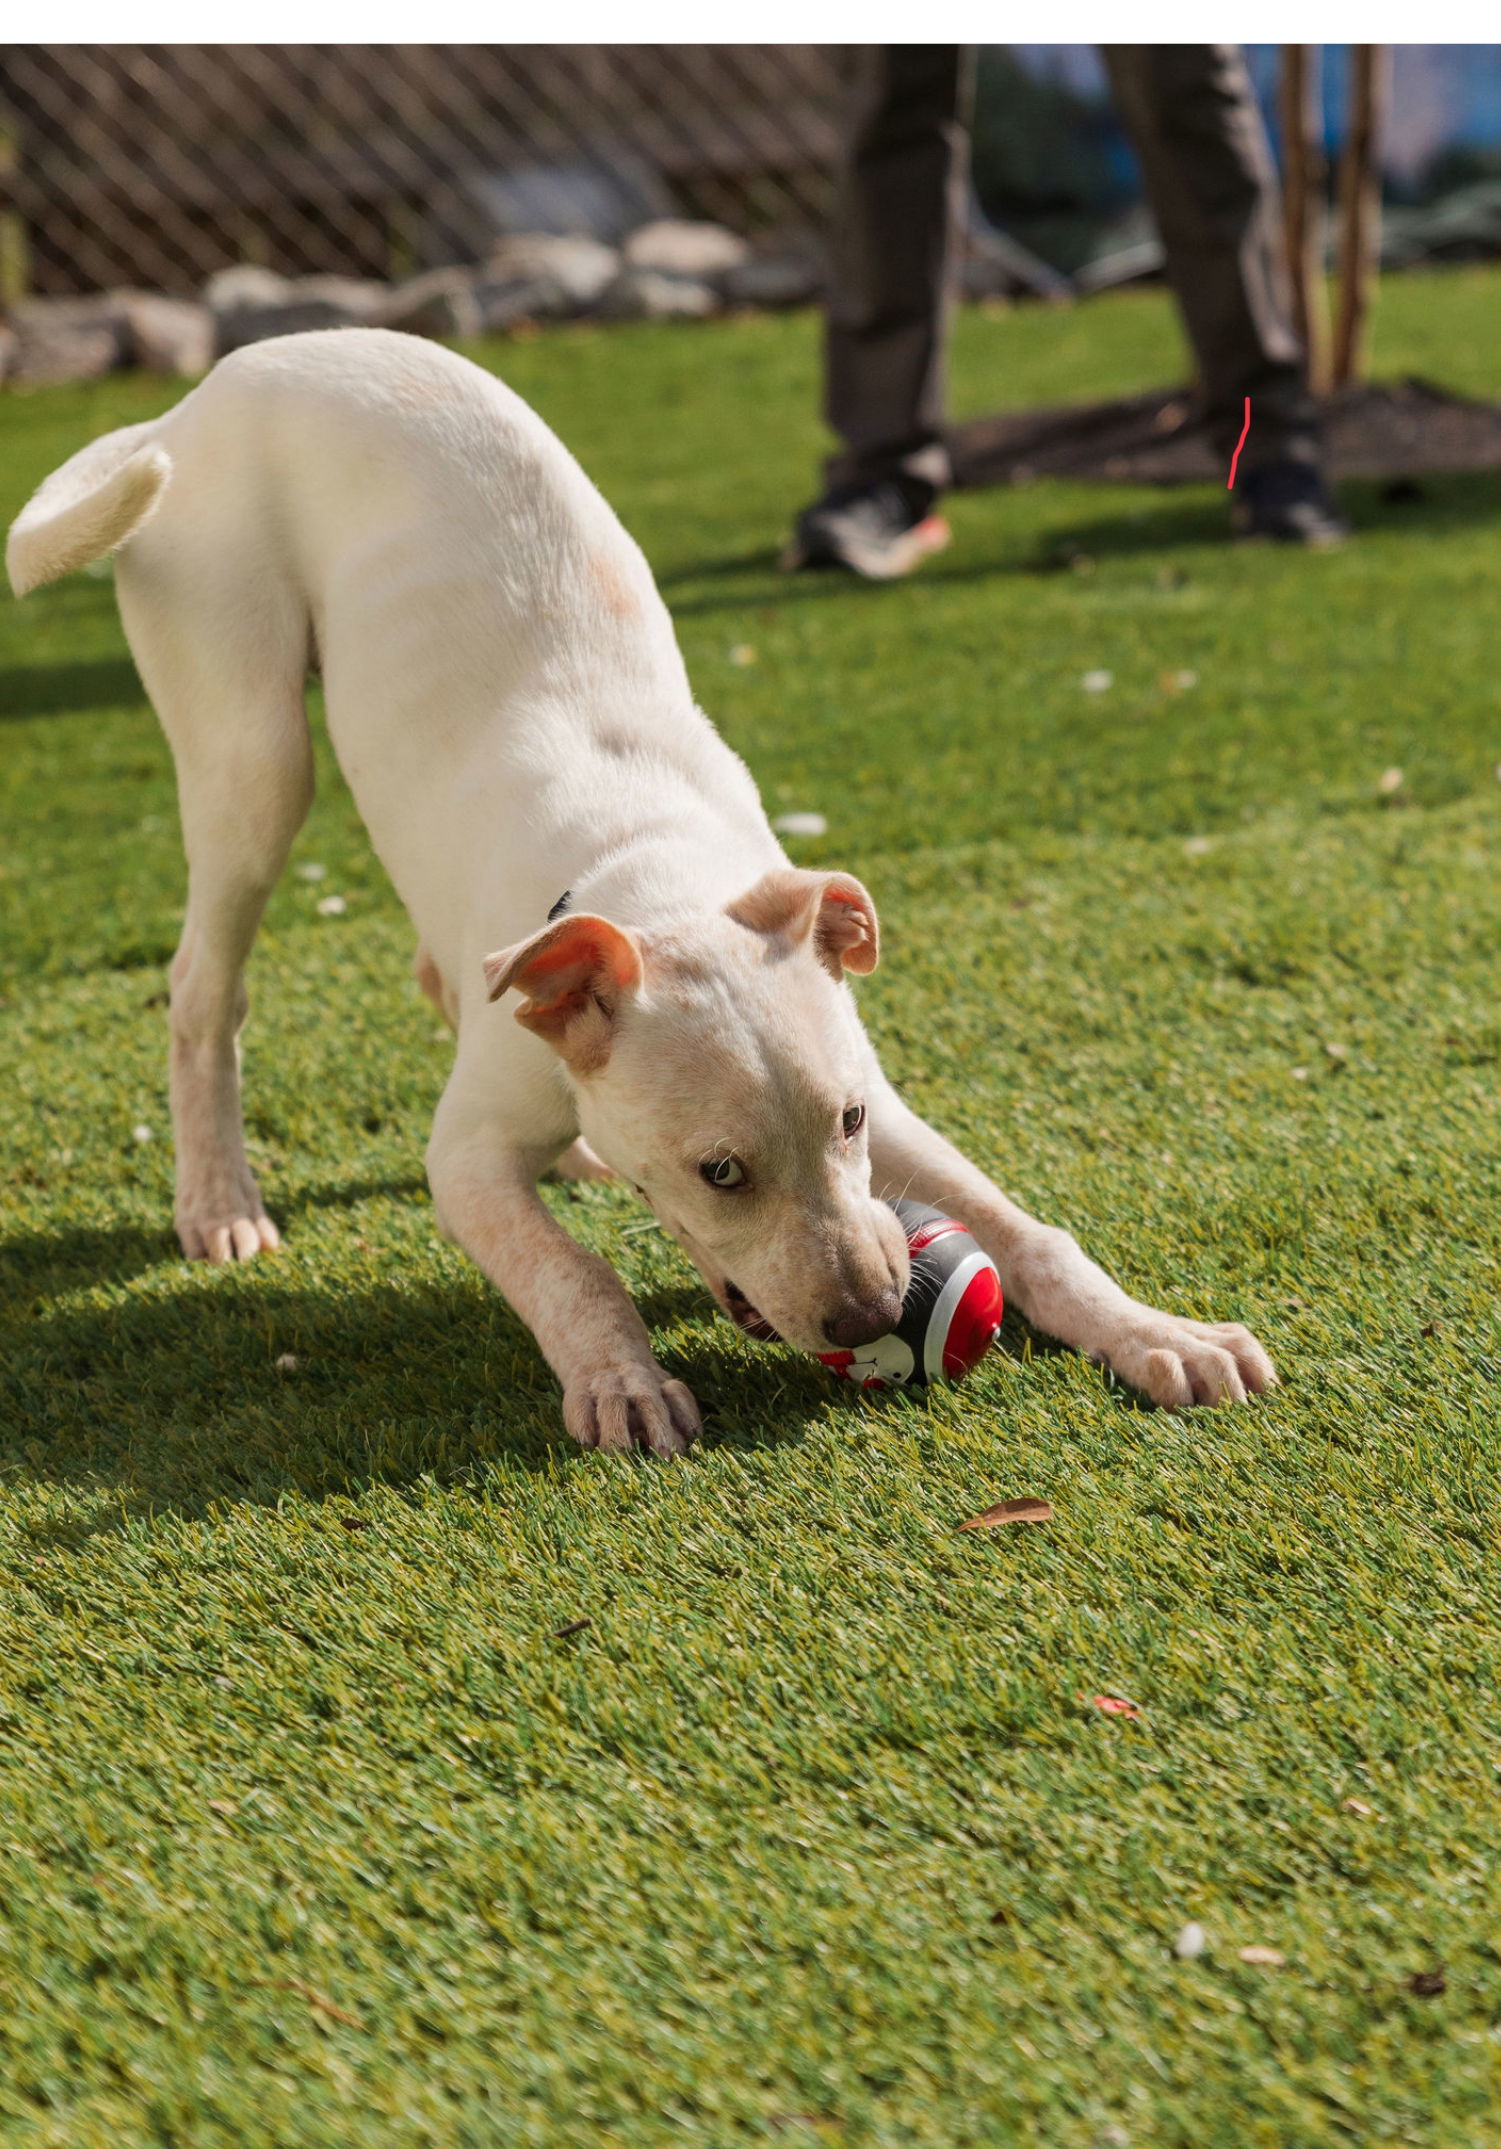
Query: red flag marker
[1235, 458]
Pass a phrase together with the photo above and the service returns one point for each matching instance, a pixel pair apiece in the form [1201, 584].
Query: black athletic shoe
[879, 529]
[1289, 503]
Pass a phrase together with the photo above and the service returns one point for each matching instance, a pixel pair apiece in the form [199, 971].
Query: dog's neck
[664, 874]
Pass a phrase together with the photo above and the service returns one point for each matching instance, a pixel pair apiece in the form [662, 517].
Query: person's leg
[891, 253]
[892, 242]
[1193, 122]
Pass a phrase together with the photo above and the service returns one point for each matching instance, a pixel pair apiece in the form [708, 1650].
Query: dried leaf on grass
[318, 2001]
[574, 1626]
[1272, 1957]
[1428, 1984]
[1358, 1805]
[1111, 1704]
[1010, 1511]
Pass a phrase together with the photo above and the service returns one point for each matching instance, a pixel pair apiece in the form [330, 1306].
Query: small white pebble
[1299, 1074]
[286, 1363]
[311, 871]
[742, 653]
[1191, 1942]
[1196, 846]
[1390, 780]
[141, 1133]
[1097, 682]
[332, 906]
[800, 824]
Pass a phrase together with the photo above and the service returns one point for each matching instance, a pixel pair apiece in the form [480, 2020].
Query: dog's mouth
[745, 1316]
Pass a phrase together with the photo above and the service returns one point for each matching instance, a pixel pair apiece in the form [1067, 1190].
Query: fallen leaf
[226, 1806]
[1111, 1704]
[332, 906]
[353, 1522]
[1028, 1510]
[1336, 1052]
[1299, 1074]
[574, 1626]
[1389, 782]
[1272, 1957]
[319, 2001]
[1358, 1805]
[1428, 1984]
[1097, 682]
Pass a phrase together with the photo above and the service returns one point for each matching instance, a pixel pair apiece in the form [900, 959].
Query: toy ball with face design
[949, 1317]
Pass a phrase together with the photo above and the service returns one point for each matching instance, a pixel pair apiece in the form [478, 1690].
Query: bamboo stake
[1300, 111]
[1359, 210]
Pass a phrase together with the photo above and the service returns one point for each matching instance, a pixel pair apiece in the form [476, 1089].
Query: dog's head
[721, 1068]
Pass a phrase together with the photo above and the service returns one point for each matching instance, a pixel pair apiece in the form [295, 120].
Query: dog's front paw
[1179, 1363]
[233, 1230]
[632, 1405]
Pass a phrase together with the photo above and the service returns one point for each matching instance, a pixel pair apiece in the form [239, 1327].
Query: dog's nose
[855, 1324]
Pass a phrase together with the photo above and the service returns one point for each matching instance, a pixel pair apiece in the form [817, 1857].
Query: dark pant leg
[1193, 122]
[891, 247]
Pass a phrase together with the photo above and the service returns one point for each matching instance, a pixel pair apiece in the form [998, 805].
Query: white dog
[508, 703]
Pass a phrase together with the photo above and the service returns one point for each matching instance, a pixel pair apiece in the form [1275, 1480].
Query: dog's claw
[1180, 1363]
[239, 1238]
[618, 1408]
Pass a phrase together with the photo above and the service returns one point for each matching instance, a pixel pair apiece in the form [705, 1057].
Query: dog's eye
[854, 1120]
[723, 1172]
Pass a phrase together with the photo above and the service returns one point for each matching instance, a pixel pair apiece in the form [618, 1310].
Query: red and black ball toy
[949, 1317]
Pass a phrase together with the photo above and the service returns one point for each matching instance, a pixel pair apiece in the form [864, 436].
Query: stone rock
[583, 267]
[676, 247]
[168, 335]
[291, 317]
[772, 280]
[308, 302]
[440, 302]
[362, 299]
[648, 295]
[505, 302]
[245, 284]
[69, 339]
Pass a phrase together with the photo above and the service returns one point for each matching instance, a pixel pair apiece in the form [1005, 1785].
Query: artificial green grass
[314, 1826]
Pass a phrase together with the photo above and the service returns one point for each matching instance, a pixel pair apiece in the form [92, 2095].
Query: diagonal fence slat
[159, 164]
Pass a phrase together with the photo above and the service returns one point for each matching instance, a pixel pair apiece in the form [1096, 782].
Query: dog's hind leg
[223, 659]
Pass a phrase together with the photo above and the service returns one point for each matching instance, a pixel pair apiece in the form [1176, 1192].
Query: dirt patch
[1385, 429]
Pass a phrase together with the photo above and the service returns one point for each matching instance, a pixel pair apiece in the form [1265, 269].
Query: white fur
[507, 701]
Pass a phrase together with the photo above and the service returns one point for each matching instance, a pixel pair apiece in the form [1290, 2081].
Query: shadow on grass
[1435, 506]
[53, 689]
[227, 1388]
[49, 1263]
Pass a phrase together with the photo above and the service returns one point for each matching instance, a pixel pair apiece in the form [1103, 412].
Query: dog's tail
[89, 507]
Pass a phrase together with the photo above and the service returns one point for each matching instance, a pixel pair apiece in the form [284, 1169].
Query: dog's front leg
[615, 1395]
[1047, 1277]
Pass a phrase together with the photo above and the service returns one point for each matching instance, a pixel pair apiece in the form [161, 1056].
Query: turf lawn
[320, 1827]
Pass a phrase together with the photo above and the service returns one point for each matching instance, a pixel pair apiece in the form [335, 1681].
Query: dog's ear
[573, 976]
[830, 909]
